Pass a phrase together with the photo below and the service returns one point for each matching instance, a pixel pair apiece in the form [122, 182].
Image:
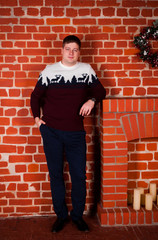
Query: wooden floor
[39, 228]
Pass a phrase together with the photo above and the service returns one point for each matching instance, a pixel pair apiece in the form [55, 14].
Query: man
[66, 91]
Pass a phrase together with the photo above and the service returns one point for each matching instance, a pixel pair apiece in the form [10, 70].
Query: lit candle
[136, 199]
[148, 201]
[153, 190]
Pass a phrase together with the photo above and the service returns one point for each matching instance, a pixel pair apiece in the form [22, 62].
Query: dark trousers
[73, 144]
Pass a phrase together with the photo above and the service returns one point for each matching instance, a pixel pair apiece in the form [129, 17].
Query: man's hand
[39, 121]
[87, 108]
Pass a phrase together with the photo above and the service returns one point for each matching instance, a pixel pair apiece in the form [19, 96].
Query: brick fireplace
[123, 121]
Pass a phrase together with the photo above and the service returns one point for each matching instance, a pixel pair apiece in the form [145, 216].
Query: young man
[66, 91]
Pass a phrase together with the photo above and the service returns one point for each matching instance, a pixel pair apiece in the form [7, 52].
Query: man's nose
[71, 51]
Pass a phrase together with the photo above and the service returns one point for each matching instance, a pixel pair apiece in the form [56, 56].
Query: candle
[136, 200]
[148, 201]
[142, 196]
[153, 190]
[141, 190]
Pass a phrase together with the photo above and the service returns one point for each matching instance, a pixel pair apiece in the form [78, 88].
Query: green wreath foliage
[142, 42]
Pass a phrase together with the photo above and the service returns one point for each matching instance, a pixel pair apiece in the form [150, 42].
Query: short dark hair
[70, 39]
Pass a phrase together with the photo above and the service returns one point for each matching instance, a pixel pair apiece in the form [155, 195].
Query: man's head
[70, 50]
[72, 39]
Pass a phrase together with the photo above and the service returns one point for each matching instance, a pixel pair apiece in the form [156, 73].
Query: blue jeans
[73, 144]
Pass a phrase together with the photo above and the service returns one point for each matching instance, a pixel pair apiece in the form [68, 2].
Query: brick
[12, 103]
[10, 178]
[34, 177]
[140, 147]
[134, 12]
[111, 214]
[21, 121]
[130, 3]
[134, 126]
[56, 3]
[108, 3]
[110, 11]
[148, 217]
[127, 128]
[32, 11]
[146, 12]
[140, 91]
[155, 215]
[128, 82]
[95, 12]
[125, 216]
[19, 36]
[71, 12]
[23, 112]
[14, 92]
[45, 11]
[20, 158]
[14, 140]
[84, 21]
[19, 11]
[58, 21]
[11, 131]
[5, 11]
[149, 175]
[12, 3]
[10, 112]
[4, 121]
[27, 209]
[31, 3]
[151, 146]
[20, 168]
[122, 12]
[33, 168]
[152, 4]
[141, 156]
[118, 216]
[10, 52]
[141, 121]
[153, 165]
[31, 21]
[141, 217]
[148, 127]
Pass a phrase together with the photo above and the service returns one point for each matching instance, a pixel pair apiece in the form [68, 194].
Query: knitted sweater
[61, 91]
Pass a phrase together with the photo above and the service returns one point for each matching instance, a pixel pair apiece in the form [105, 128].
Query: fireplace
[123, 121]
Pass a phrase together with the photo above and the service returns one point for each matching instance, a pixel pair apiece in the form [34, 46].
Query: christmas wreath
[143, 44]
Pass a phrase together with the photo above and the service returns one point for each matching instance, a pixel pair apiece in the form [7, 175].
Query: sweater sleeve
[96, 89]
[37, 96]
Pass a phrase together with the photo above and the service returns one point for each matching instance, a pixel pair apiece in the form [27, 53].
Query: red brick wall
[143, 163]
[31, 36]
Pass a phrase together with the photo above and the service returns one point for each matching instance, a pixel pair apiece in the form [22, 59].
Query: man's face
[70, 54]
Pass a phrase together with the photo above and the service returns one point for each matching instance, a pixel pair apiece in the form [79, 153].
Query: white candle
[141, 190]
[142, 200]
[153, 190]
[148, 201]
[136, 199]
